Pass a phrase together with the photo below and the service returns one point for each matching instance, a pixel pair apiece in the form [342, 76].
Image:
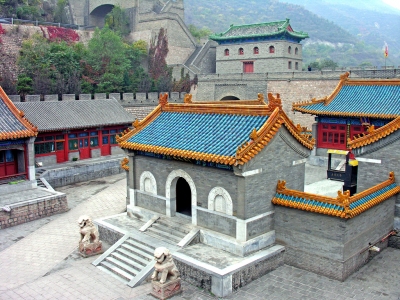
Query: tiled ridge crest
[374, 135]
[343, 206]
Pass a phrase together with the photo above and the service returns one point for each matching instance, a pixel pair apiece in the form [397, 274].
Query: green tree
[24, 85]
[59, 12]
[199, 33]
[118, 21]
[104, 70]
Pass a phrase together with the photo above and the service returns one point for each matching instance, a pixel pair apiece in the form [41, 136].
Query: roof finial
[163, 100]
[187, 98]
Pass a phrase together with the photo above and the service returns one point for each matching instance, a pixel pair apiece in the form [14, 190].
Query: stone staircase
[171, 230]
[129, 260]
[40, 183]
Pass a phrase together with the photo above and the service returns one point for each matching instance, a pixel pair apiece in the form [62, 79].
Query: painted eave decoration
[343, 206]
[259, 30]
[373, 135]
[219, 132]
[374, 98]
[13, 123]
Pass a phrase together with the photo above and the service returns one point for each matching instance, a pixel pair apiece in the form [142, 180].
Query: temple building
[354, 108]
[207, 162]
[78, 129]
[16, 142]
[259, 48]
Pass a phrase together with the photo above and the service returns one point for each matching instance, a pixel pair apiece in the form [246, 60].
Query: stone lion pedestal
[166, 290]
[89, 244]
[169, 283]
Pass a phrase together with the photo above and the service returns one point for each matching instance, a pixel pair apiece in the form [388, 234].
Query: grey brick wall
[331, 246]
[150, 202]
[263, 61]
[217, 222]
[386, 150]
[276, 161]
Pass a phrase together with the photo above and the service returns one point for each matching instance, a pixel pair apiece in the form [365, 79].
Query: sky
[394, 3]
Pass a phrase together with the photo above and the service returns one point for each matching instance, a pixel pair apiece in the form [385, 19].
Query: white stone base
[230, 244]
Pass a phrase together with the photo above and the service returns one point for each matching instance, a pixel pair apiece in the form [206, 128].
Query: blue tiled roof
[219, 134]
[8, 122]
[361, 99]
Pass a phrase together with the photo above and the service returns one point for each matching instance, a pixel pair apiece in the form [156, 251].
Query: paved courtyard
[39, 260]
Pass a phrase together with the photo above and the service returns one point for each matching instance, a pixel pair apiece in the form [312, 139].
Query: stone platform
[212, 269]
[30, 204]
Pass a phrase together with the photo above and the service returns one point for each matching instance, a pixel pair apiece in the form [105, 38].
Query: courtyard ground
[38, 260]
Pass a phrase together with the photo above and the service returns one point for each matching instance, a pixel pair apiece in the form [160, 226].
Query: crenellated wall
[125, 99]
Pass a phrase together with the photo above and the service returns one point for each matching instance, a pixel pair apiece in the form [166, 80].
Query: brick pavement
[39, 252]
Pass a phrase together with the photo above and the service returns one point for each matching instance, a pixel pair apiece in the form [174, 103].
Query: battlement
[125, 99]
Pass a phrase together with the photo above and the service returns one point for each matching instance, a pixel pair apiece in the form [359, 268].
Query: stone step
[138, 251]
[144, 247]
[185, 228]
[104, 269]
[179, 232]
[121, 265]
[162, 235]
[117, 271]
[140, 256]
[127, 260]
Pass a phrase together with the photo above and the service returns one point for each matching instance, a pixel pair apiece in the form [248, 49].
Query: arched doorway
[183, 197]
[97, 16]
[230, 98]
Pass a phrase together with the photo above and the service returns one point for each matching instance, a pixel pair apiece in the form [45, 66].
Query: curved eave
[265, 134]
[185, 154]
[375, 135]
[30, 131]
[294, 34]
[343, 114]
[16, 135]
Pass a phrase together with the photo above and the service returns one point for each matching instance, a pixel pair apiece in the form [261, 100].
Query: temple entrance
[183, 197]
[230, 98]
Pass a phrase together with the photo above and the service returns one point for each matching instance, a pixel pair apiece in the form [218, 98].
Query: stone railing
[126, 99]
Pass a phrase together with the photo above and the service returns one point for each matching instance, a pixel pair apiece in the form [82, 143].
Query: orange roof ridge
[342, 200]
[30, 131]
[344, 78]
[374, 135]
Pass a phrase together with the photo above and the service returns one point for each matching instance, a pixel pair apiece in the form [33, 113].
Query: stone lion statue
[89, 241]
[164, 265]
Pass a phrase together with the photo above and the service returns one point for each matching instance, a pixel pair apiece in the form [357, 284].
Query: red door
[60, 152]
[8, 163]
[248, 67]
[105, 143]
[84, 150]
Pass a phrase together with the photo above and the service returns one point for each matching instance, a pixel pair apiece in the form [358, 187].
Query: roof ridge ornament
[345, 76]
[274, 102]
[187, 99]
[260, 98]
[163, 100]
[254, 134]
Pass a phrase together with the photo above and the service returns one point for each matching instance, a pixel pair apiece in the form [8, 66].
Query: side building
[79, 129]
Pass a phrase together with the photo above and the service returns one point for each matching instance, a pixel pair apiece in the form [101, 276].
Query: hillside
[327, 39]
